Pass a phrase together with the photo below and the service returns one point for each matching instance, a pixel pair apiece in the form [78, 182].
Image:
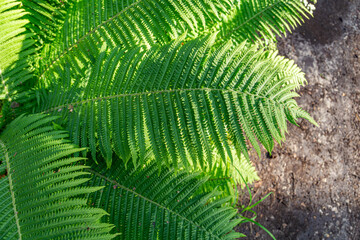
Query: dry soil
[315, 174]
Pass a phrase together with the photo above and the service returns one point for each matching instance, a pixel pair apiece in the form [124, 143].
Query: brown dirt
[315, 174]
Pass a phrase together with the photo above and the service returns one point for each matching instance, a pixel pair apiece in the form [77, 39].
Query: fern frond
[15, 47]
[263, 20]
[39, 196]
[127, 24]
[182, 100]
[148, 204]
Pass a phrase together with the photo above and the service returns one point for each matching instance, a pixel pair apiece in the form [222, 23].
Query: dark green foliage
[40, 196]
[148, 204]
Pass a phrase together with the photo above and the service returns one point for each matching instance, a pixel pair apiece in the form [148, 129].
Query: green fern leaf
[182, 100]
[39, 196]
[148, 204]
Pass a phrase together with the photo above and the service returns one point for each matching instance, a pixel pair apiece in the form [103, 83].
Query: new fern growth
[161, 99]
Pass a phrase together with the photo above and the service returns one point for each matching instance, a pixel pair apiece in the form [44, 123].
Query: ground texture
[315, 174]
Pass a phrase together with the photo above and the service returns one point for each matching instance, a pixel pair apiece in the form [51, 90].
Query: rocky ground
[315, 174]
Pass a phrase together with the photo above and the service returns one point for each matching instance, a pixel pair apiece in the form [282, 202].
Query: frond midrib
[65, 51]
[7, 160]
[73, 104]
[149, 200]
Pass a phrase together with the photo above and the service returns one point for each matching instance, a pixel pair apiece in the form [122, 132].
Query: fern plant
[164, 99]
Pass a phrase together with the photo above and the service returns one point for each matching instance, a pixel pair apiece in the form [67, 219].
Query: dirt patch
[328, 22]
[315, 174]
